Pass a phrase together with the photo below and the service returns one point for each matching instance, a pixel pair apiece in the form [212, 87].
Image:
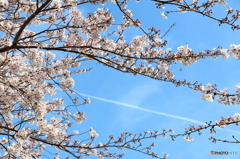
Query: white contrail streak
[144, 109]
[152, 111]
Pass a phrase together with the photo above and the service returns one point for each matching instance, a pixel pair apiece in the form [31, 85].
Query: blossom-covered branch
[35, 33]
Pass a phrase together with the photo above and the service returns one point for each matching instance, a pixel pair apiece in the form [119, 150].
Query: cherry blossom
[93, 133]
[164, 15]
[207, 97]
[43, 44]
[188, 138]
[4, 3]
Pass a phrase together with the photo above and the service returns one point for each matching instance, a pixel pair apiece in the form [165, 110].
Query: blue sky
[124, 102]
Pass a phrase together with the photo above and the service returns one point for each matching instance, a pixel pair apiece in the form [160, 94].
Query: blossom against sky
[200, 33]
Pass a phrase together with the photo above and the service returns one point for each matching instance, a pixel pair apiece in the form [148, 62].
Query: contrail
[154, 112]
[144, 109]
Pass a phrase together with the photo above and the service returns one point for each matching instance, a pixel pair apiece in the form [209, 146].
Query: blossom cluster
[34, 64]
[225, 121]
